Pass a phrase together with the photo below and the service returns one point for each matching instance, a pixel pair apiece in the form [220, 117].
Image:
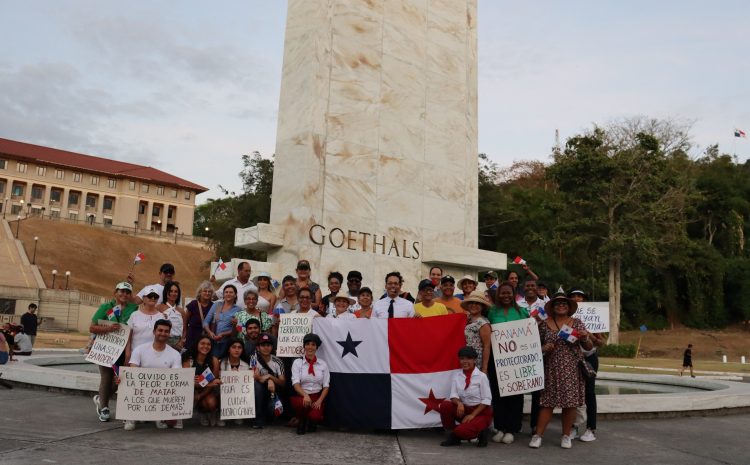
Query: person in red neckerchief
[310, 379]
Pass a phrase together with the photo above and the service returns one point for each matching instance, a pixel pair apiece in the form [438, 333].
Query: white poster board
[108, 347]
[150, 394]
[517, 355]
[237, 395]
[594, 315]
[292, 328]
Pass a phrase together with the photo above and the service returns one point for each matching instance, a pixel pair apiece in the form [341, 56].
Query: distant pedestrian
[30, 322]
[687, 360]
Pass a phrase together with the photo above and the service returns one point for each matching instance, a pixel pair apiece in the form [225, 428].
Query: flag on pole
[739, 133]
[138, 257]
[221, 265]
[538, 312]
[519, 261]
[568, 334]
[206, 377]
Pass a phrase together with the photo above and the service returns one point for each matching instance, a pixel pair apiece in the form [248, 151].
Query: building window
[2, 186]
[59, 174]
[132, 185]
[156, 211]
[55, 195]
[15, 209]
[21, 167]
[112, 183]
[187, 195]
[108, 203]
[77, 177]
[159, 190]
[37, 192]
[107, 221]
[41, 170]
[173, 193]
[94, 180]
[73, 198]
[54, 214]
[73, 216]
[170, 213]
[90, 201]
[3, 164]
[144, 188]
[17, 190]
[142, 209]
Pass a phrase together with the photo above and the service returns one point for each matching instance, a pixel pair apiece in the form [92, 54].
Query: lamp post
[207, 229]
[18, 224]
[67, 279]
[54, 275]
[159, 223]
[5, 206]
[175, 234]
[135, 227]
[33, 260]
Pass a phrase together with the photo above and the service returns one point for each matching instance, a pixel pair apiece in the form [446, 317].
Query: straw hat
[476, 296]
[464, 279]
[264, 274]
[560, 295]
[344, 297]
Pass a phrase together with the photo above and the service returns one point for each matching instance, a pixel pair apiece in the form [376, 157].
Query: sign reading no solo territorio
[518, 357]
[150, 394]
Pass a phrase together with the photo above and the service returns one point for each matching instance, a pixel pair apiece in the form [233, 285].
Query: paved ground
[39, 427]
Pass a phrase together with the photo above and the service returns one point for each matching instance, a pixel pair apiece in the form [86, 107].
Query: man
[242, 282]
[156, 355]
[542, 292]
[116, 311]
[252, 335]
[490, 280]
[30, 322]
[392, 305]
[467, 284]
[436, 274]
[288, 302]
[447, 288]
[354, 284]
[530, 300]
[428, 307]
[166, 273]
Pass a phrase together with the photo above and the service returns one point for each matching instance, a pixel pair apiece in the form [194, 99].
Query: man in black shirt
[30, 322]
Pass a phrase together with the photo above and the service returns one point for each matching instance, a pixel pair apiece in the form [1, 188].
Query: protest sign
[149, 394]
[108, 347]
[292, 328]
[517, 355]
[237, 395]
[594, 315]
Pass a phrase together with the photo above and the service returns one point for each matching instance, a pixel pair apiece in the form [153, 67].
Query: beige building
[57, 183]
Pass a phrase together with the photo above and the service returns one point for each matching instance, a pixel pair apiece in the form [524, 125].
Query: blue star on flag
[349, 345]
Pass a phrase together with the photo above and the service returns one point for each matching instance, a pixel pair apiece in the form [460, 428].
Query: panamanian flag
[389, 373]
[206, 377]
[568, 334]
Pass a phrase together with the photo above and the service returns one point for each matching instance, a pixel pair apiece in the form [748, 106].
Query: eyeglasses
[304, 297]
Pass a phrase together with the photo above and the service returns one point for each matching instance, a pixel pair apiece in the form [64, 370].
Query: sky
[190, 86]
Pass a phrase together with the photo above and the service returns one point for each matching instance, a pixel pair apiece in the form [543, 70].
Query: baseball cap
[425, 283]
[152, 290]
[447, 279]
[125, 286]
[490, 274]
[265, 339]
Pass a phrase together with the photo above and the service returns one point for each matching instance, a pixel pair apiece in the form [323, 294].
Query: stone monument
[376, 149]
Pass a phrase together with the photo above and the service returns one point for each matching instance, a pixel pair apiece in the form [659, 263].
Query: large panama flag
[389, 373]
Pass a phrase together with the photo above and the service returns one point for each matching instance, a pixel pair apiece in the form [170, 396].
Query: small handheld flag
[113, 313]
[519, 261]
[205, 377]
[139, 257]
[278, 407]
[739, 133]
[221, 265]
[568, 334]
[116, 369]
[539, 312]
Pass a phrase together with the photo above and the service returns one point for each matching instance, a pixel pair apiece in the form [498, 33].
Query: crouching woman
[468, 413]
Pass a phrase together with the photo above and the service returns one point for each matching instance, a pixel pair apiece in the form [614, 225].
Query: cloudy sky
[189, 86]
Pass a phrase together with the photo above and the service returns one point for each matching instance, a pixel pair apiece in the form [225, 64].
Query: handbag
[587, 370]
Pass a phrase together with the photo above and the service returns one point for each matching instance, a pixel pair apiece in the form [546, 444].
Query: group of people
[234, 327]
[19, 339]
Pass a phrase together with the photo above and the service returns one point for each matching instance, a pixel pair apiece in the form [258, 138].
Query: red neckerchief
[468, 373]
[310, 369]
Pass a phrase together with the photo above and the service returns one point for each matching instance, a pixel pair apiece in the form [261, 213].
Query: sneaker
[178, 424]
[96, 404]
[573, 432]
[588, 436]
[508, 438]
[565, 442]
[160, 424]
[536, 442]
[498, 437]
[204, 419]
[104, 414]
[220, 422]
[129, 425]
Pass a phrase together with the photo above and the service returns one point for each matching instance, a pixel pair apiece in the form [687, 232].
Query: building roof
[63, 158]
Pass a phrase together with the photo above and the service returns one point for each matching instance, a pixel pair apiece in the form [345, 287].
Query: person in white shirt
[341, 305]
[530, 299]
[242, 282]
[469, 404]
[166, 273]
[156, 354]
[393, 306]
[311, 380]
[305, 300]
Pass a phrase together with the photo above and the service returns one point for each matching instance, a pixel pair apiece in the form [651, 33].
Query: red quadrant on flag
[426, 345]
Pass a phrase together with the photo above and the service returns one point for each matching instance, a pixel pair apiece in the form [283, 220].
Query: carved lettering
[393, 247]
[416, 250]
[337, 237]
[322, 236]
[350, 239]
[330, 237]
[364, 241]
[375, 244]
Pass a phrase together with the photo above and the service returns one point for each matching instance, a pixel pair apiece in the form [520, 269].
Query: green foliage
[617, 350]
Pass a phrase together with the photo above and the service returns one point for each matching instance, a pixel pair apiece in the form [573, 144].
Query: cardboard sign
[594, 315]
[150, 394]
[108, 347]
[292, 328]
[517, 353]
[237, 395]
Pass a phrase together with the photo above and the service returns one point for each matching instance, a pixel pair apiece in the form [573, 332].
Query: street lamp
[135, 227]
[67, 279]
[33, 260]
[18, 224]
[5, 206]
[175, 234]
[159, 223]
[54, 275]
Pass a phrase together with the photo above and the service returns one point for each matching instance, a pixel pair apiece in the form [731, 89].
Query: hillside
[98, 258]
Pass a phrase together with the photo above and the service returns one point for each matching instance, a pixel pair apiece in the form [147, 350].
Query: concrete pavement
[46, 427]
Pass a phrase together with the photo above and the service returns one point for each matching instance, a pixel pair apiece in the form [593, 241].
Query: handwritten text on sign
[518, 357]
[150, 394]
[594, 315]
[237, 395]
[292, 328]
[108, 347]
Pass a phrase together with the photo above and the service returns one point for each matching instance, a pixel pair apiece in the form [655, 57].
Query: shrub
[617, 350]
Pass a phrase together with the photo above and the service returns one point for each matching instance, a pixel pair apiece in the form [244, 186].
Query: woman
[467, 284]
[310, 380]
[334, 286]
[477, 330]
[512, 278]
[218, 322]
[341, 305]
[269, 380]
[266, 297]
[205, 398]
[508, 410]
[305, 299]
[196, 311]
[563, 381]
[233, 359]
[469, 403]
[251, 311]
[175, 314]
[141, 322]
[365, 303]
[304, 281]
